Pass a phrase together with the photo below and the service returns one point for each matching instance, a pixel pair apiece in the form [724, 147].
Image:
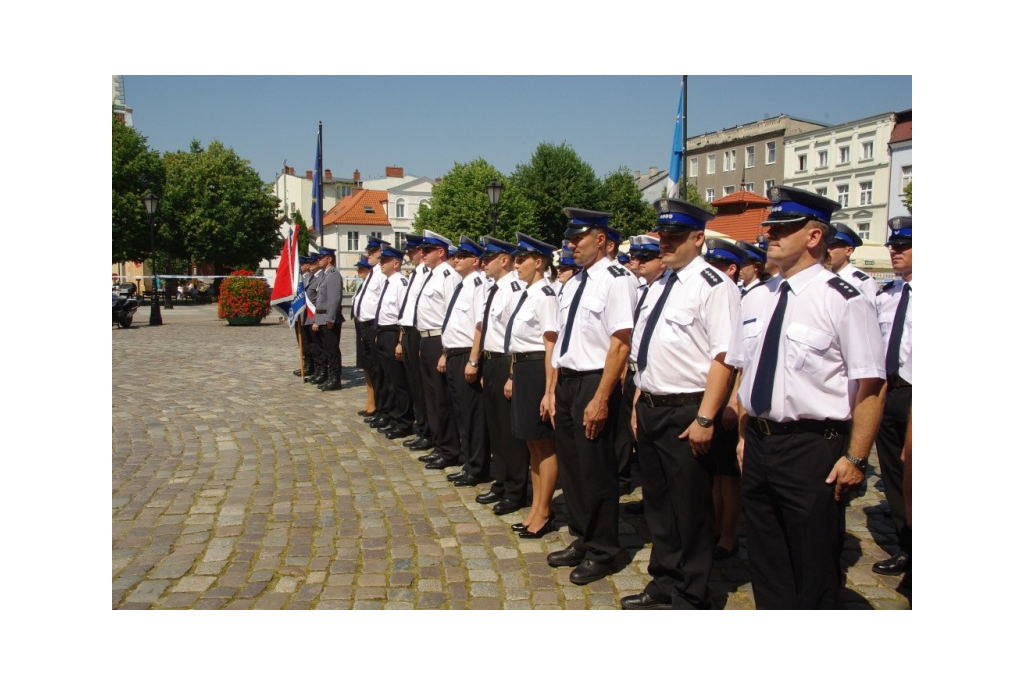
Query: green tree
[303, 229]
[908, 192]
[620, 195]
[217, 210]
[555, 178]
[135, 169]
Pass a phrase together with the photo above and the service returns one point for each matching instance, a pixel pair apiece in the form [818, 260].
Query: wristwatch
[473, 363]
[861, 464]
[704, 421]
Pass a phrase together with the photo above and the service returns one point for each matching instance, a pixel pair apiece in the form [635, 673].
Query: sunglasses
[644, 257]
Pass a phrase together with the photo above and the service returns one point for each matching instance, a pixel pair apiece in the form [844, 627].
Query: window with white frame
[770, 183]
[865, 193]
[346, 191]
[801, 162]
[822, 158]
[864, 231]
[399, 240]
[769, 152]
[293, 209]
[399, 208]
[729, 160]
[377, 234]
[867, 149]
[711, 164]
[694, 162]
[728, 190]
[844, 154]
[353, 241]
[843, 195]
[822, 191]
[749, 162]
[907, 176]
[749, 187]
[709, 194]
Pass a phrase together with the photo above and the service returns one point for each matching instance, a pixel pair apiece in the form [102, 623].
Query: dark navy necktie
[764, 379]
[645, 341]
[639, 305]
[405, 300]
[508, 331]
[451, 306]
[357, 298]
[892, 354]
[487, 315]
[380, 302]
[416, 314]
[572, 312]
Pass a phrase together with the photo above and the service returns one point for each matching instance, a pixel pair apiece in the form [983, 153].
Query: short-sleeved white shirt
[606, 307]
[538, 315]
[886, 302]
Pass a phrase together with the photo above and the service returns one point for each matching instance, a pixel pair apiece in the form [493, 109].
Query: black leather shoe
[570, 556]
[588, 571]
[489, 497]
[429, 456]
[465, 480]
[396, 433]
[419, 444]
[379, 421]
[364, 413]
[441, 463]
[643, 601]
[506, 506]
[453, 476]
[386, 427]
[371, 417]
[893, 566]
[548, 526]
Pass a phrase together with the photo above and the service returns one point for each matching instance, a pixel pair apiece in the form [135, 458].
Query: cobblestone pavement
[237, 486]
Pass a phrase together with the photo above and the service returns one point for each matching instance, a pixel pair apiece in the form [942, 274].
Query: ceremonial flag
[297, 305]
[675, 166]
[318, 191]
[287, 283]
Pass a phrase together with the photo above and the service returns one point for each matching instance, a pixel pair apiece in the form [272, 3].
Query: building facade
[296, 192]
[406, 196]
[901, 163]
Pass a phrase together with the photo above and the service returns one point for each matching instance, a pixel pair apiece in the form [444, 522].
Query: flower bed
[243, 301]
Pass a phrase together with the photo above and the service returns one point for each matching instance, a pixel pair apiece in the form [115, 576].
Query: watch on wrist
[473, 363]
[861, 464]
[704, 421]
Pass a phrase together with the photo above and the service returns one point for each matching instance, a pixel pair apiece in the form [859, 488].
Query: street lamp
[149, 199]
[494, 190]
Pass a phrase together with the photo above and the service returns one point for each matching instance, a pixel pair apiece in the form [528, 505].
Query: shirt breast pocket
[885, 322]
[751, 336]
[806, 348]
[675, 327]
[591, 312]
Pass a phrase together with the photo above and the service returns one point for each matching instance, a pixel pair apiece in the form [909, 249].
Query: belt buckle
[762, 425]
[649, 399]
[831, 432]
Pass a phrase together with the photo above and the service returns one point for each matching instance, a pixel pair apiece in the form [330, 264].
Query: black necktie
[892, 355]
[451, 306]
[355, 300]
[412, 279]
[645, 341]
[764, 379]
[380, 302]
[487, 315]
[572, 312]
[416, 314]
[639, 305]
[508, 331]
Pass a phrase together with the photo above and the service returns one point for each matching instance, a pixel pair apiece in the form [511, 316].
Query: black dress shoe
[588, 571]
[570, 556]
[894, 565]
[419, 444]
[464, 480]
[379, 420]
[441, 463]
[365, 413]
[373, 417]
[548, 526]
[517, 527]
[723, 553]
[396, 433]
[489, 497]
[386, 427]
[506, 506]
[429, 456]
[643, 601]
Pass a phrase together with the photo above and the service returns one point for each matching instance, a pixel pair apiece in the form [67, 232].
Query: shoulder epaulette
[747, 291]
[404, 282]
[516, 287]
[711, 276]
[477, 281]
[425, 269]
[888, 286]
[447, 273]
[844, 288]
[548, 291]
[616, 271]
[861, 275]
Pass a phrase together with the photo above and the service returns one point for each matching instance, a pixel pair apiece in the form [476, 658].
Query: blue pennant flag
[675, 167]
[298, 304]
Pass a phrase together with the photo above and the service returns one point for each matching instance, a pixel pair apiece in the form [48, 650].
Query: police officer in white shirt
[752, 269]
[364, 307]
[812, 371]
[840, 249]
[679, 342]
[409, 344]
[894, 304]
[431, 305]
[400, 411]
[596, 318]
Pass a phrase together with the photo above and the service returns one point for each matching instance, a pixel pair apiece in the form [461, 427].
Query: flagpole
[683, 171]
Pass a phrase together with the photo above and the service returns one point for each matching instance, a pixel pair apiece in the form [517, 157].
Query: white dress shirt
[605, 308]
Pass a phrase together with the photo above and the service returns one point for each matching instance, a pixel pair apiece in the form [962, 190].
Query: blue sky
[427, 123]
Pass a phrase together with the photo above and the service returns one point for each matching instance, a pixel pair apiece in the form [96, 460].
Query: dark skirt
[528, 388]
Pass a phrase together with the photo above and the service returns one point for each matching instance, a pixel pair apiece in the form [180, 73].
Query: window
[750, 157]
[864, 231]
[729, 161]
[865, 193]
[709, 194]
[801, 162]
[907, 176]
[423, 204]
[769, 153]
[367, 209]
[711, 164]
[843, 195]
[821, 191]
[844, 154]
[749, 187]
[399, 209]
[822, 158]
[377, 234]
[353, 241]
[346, 191]
[867, 149]
[770, 183]
[693, 167]
[399, 240]
[728, 190]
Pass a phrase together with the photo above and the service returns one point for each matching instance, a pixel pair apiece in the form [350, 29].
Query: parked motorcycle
[123, 308]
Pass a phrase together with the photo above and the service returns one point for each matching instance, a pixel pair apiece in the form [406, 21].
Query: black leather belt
[493, 355]
[573, 373]
[451, 352]
[828, 428]
[895, 381]
[679, 400]
[388, 328]
[321, 311]
[433, 333]
[526, 356]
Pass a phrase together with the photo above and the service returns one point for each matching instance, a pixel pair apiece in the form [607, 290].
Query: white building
[406, 196]
[901, 147]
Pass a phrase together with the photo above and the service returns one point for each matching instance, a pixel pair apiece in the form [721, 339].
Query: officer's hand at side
[739, 453]
[594, 417]
[330, 325]
[470, 374]
[442, 364]
[508, 389]
[398, 351]
[699, 437]
[846, 476]
[547, 408]
[315, 327]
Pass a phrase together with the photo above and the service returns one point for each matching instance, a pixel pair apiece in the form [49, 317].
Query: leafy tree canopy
[908, 192]
[554, 178]
[620, 195]
[135, 169]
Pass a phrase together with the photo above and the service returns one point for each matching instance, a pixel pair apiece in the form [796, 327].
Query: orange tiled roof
[740, 215]
[902, 131]
[352, 210]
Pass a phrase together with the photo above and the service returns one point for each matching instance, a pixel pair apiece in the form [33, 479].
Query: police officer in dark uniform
[315, 339]
[301, 332]
[327, 321]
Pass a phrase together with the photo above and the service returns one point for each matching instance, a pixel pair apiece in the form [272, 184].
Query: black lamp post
[149, 199]
[494, 190]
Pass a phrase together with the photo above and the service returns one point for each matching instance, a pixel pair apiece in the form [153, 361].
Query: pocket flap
[814, 338]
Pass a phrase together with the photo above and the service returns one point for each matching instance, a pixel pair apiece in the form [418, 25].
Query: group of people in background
[725, 379]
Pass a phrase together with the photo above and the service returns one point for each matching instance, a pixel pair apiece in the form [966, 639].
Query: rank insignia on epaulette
[711, 276]
[477, 281]
[861, 275]
[516, 287]
[447, 273]
[845, 289]
[405, 282]
[617, 271]
[888, 286]
[548, 291]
